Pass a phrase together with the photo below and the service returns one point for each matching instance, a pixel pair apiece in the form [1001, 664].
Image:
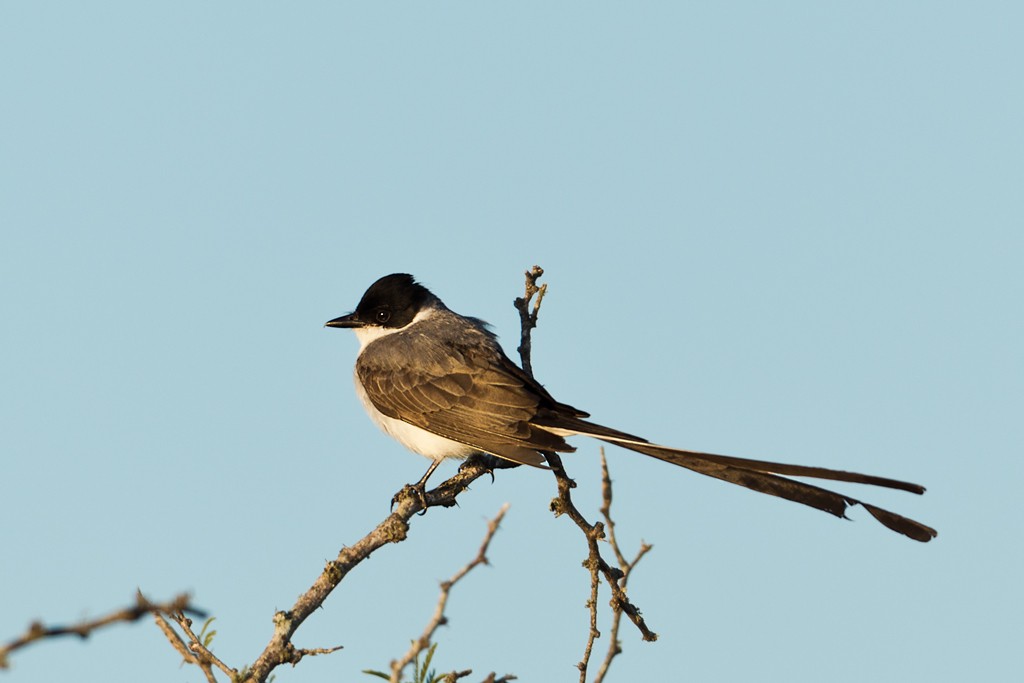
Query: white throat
[368, 335]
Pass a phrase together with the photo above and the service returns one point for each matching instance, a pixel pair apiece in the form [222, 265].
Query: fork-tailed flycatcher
[440, 384]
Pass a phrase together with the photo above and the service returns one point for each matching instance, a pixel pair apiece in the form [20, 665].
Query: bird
[440, 384]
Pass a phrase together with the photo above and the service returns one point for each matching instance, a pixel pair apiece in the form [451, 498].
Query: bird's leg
[422, 483]
[419, 488]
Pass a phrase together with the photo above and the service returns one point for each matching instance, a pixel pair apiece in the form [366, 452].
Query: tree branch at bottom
[439, 619]
[38, 631]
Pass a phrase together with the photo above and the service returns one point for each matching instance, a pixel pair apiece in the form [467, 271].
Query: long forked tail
[760, 475]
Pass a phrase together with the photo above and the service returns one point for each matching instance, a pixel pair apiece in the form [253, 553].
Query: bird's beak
[349, 320]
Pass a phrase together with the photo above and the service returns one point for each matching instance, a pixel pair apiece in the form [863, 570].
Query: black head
[392, 301]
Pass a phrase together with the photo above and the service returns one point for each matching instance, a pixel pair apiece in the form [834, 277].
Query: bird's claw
[419, 490]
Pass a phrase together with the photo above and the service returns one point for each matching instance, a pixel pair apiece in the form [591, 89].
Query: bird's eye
[383, 315]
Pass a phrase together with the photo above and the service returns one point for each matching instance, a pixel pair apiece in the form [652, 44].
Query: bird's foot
[417, 490]
[488, 462]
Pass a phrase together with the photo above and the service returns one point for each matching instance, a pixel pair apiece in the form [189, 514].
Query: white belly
[414, 438]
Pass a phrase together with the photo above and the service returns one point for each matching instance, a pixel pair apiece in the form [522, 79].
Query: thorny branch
[438, 619]
[596, 565]
[38, 631]
[563, 505]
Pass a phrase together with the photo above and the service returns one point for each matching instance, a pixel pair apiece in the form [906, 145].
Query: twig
[563, 504]
[593, 633]
[179, 644]
[38, 631]
[593, 533]
[438, 618]
[528, 319]
[614, 646]
[203, 657]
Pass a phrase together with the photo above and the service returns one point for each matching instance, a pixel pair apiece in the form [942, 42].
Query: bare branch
[563, 505]
[203, 658]
[528, 319]
[592, 634]
[438, 618]
[179, 644]
[614, 646]
[38, 631]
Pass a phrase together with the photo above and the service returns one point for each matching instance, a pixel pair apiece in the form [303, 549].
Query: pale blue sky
[789, 232]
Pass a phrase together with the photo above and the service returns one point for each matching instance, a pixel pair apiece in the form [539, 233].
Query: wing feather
[470, 394]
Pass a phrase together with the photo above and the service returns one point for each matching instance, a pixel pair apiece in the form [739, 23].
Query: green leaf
[430, 656]
[207, 637]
